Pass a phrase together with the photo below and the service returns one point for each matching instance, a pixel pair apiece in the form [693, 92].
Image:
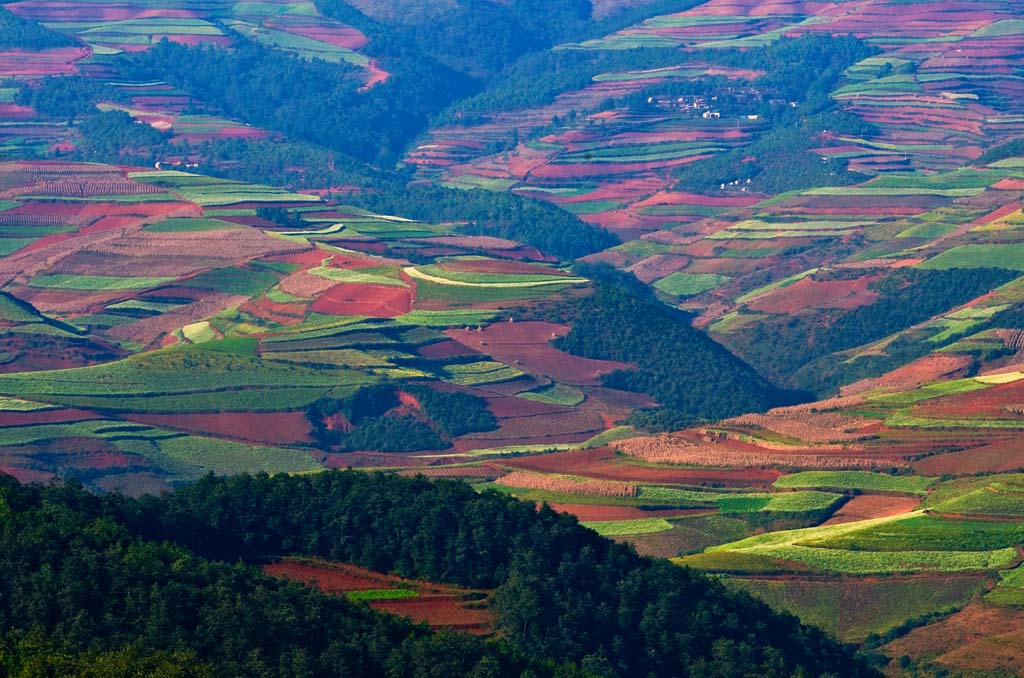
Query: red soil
[27, 475]
[36, 64]
[981, 630]
[995, 457]
[257, 427]
[444, 349]
[526, 346]
[602, 463]
[994, 401]
[1002, 212]
[45, 417]
[865, 506]
[378, 301]
[927, 369]
[436, 604]
[1009, 185]
[375, 75]
[808, 293]
[676, 198]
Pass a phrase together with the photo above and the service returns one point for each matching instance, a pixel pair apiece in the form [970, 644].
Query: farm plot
[439, 605]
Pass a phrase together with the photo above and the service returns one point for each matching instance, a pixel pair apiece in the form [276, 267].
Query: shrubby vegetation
[376, 420]
[115, 133]
[100, 575]
[66, 96]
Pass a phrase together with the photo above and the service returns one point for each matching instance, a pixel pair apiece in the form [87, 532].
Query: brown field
[865, 506]
[999, 456]
[691, 449]
[808, 293]
[525, 480]
[439, 605]
[605, 464]
[810, 427]
[921, 371]
[525, 345]
[378, 301]
[980, 637]
[257, 427]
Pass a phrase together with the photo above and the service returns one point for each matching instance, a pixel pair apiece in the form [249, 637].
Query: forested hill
[96, 584]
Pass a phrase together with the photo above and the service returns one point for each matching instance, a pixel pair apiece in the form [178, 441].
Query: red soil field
[1002, 212]
[1009, 185]
[257, 427]
[331, 577]
[962, 640]
[45, 417]
[378, 301]
[36, 64]
[865, 506]
[999, 456]
[690, 448]
[921, 371]
[439, 605]
[511, 406]
[27, 475]
[603, 463]
[439, 612]
[1000, 401]
[677, 198]
[525, 346]
[572, 425]
[375, 75]
[808, 293]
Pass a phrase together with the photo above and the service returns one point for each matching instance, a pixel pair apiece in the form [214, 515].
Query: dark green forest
[18, 33]
[95, 583]
[689, 375]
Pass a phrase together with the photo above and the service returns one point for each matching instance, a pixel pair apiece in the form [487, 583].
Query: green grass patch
[182, 225]
[65, 281]
[233, 280]
[928, 533]
[616, 528]
[690, 284]
[368, 595]
[555, 394]
[979, 256]
[856, 480]
[853, 609]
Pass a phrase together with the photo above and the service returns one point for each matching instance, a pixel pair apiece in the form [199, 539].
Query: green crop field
[852, 609]
[179, 225]
[65, 281]
[555, 394]
[979, 256]
[690, 284]
[856, 480]
[367, 595]
[927, 533]
[616, 528]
